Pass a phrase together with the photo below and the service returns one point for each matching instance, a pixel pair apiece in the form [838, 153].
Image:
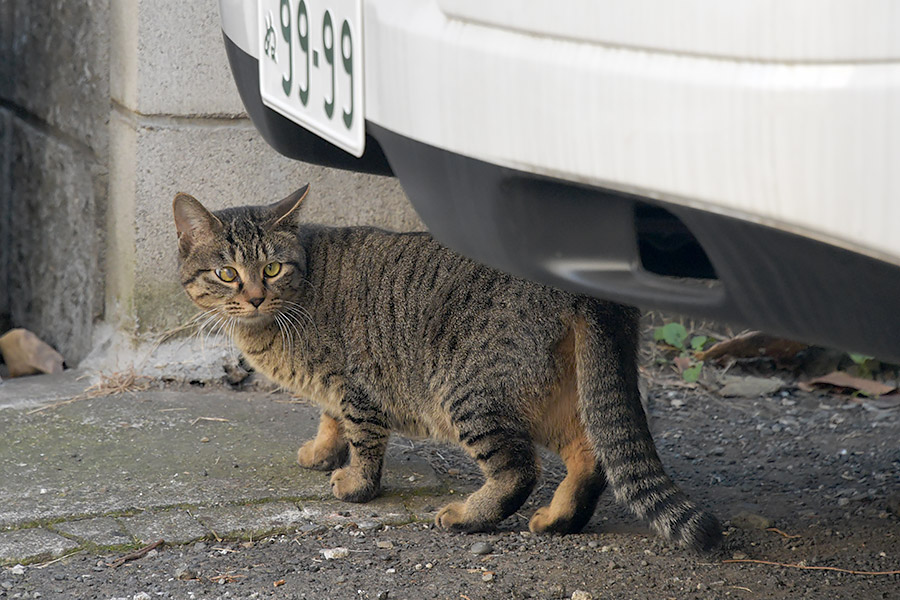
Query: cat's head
[241, 263]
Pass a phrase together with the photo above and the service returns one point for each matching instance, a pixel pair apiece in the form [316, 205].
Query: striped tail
[610, 407]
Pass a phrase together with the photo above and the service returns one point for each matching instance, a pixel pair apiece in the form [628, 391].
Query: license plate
[311, 66]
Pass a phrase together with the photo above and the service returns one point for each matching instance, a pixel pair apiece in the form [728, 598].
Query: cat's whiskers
[216, 329]
[210, 317]
[300, 318]
[293, 313]
[300, 310]
[194, 320]
[297, 327]
[284, 337]
[232, 325]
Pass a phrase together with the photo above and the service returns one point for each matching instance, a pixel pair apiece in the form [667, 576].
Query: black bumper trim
[287, 137]
[588, 240]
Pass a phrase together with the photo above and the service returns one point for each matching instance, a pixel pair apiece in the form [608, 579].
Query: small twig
[780, 532]
[50, 562]
[170, 409]
[814, 568]
[134, 555]
[227, 577]
[740, 587]
[198, 419]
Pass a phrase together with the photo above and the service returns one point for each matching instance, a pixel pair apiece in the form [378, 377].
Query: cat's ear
[193, 222]
[283, 209]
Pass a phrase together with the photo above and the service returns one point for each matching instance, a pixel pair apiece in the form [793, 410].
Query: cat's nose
[256, 301]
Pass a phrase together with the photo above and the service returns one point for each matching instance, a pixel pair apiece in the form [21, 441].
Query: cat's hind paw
[545, 521]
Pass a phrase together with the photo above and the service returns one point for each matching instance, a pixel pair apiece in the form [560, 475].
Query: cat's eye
[272, 269]
[226, 274]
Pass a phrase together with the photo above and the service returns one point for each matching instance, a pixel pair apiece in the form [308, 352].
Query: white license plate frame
[294, 54]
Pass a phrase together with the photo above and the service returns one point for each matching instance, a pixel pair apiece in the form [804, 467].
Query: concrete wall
[54, 105]
[141, 105]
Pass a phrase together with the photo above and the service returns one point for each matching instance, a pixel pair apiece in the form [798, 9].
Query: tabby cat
[394, 332]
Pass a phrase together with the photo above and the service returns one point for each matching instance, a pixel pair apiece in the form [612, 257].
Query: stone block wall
[107, 109]
[54, 106]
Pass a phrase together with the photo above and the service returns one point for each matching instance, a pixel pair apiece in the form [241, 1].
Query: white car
[735, 160]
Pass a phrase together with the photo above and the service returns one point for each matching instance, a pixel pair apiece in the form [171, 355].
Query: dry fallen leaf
[840, 379]
[754, 344]
[681, 363]
[748, 386]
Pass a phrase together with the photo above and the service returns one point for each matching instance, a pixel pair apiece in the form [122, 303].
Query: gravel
[802, 479]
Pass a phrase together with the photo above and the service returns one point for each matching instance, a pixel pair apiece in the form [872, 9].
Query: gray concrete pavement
[121, 471]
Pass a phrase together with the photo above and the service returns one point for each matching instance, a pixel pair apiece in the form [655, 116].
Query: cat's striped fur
[393, 332]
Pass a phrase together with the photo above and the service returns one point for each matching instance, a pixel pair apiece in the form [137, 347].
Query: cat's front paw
[351, 485]
[454, 517]
[322, 457]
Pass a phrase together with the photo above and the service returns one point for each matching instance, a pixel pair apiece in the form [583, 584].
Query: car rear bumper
[779, 173]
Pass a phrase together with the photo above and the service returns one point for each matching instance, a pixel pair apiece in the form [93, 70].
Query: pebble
[18, 570]
[312, 529]
[488, 576]
[581, 595]
[738, 556]
[481, 548]
[385, 545]
[334, 553]
[382, 595]
[184, 574]
[199, 547]
[368, 525]
[141, 596]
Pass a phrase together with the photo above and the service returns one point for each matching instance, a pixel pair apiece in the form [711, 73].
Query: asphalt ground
[807, 486]
[105, 472]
